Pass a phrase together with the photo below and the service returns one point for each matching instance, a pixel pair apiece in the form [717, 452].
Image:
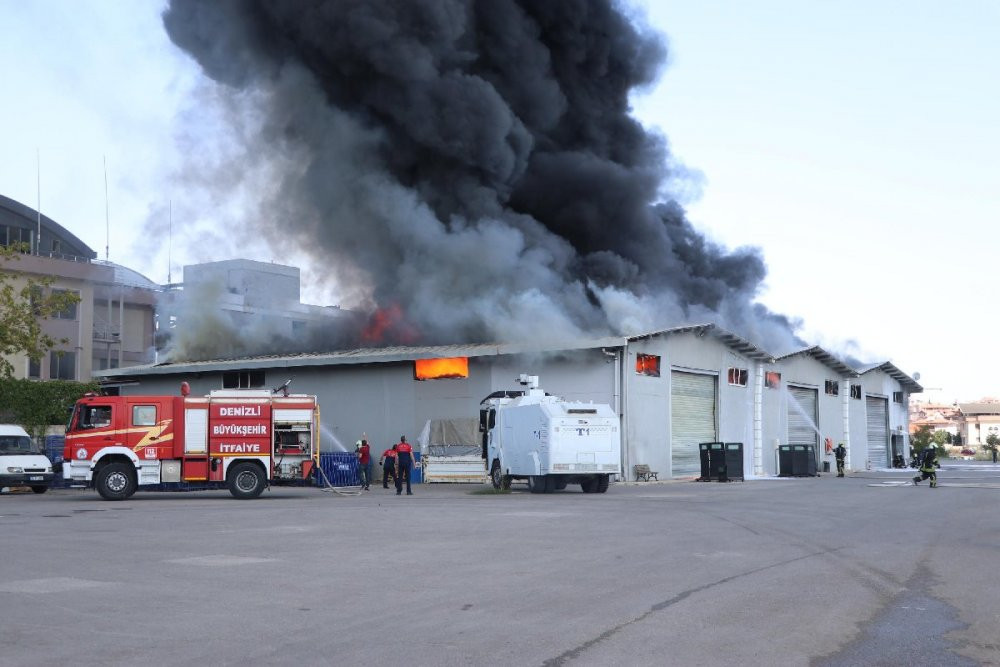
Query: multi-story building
[978, 421]
[112, 326]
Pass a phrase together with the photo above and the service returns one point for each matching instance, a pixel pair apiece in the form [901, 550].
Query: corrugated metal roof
[741, 345]
[979, 408]
[889, 369]
[824, 357]
[357, 356]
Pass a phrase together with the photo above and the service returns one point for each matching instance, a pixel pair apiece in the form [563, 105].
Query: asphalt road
[857, 571]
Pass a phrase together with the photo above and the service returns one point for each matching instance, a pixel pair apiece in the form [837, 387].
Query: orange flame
[647, 364]
[389, 324]
[434, 369]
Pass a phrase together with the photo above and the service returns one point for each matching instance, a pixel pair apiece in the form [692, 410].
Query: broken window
[440, 369]
[737, 376]
[772, 379]
[243, 380]
[832, 388]
[856, 391]
[647, 364]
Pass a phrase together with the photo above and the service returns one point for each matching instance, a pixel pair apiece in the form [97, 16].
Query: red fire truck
[242, 440]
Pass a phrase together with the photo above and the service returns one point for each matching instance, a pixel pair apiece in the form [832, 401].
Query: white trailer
[548, 441]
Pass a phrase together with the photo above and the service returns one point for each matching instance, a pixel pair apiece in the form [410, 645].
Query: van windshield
[17, 444]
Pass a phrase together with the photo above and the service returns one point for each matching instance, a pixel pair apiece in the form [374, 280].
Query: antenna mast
[38, 178]
[170, 236]
[107, 214]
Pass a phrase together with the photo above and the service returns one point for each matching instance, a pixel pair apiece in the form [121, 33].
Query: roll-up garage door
[802, 417]
[878, 431]
[692, 419]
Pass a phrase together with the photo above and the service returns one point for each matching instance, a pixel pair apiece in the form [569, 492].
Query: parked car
[968, 452]
[22, 462]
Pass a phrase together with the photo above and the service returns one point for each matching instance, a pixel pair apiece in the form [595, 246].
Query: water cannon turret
[531, 383]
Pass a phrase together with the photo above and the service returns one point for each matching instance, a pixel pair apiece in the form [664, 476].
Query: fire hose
[339, 490]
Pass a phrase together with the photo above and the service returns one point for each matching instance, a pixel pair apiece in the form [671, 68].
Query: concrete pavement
[777, 572]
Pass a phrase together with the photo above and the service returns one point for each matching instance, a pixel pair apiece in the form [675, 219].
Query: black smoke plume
[473, 164]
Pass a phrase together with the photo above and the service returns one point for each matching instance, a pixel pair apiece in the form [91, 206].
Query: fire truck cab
[242, 440]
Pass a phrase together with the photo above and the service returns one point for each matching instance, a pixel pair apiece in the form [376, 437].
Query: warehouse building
[805, 402]
[879, 417]
[673, 389]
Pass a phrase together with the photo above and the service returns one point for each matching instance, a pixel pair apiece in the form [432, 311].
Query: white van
[22, 462]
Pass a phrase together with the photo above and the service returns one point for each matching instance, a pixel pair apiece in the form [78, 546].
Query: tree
[921, 438]
[37, 405]
[924, 437]
[992, 442]
[22, 310]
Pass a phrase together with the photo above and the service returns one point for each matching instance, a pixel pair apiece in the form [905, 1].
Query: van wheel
[501, 482]
[39, 489]
[116, 481]
[246, 480]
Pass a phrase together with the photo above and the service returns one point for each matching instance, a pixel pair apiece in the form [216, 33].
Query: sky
[855, 143]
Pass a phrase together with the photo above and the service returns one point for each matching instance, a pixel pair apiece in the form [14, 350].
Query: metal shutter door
[802, 416]
[692, 420]
[878, 431]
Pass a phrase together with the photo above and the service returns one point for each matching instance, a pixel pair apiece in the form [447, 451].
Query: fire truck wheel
[501, 482]
[116, 481]
[246, 480]
[39, 489]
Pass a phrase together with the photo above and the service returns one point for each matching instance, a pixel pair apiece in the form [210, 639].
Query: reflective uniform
[927, 471]
[388, 467]
[404, 463]
[840, 452]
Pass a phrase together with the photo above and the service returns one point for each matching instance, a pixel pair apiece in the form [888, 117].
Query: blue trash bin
[416, 474]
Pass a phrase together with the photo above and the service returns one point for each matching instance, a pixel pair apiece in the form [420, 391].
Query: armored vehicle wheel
[602, 483]
[541, 484]
[589, 485]
[501, 482]
[116, 481]
[246, 480]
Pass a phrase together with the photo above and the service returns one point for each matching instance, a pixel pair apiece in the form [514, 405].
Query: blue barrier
[54, 450]
[340, 468]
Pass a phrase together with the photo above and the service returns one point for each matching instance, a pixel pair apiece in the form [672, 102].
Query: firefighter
[927, 467]
[404, 465]
[388, 463]
[364, 462]
[840, 452]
